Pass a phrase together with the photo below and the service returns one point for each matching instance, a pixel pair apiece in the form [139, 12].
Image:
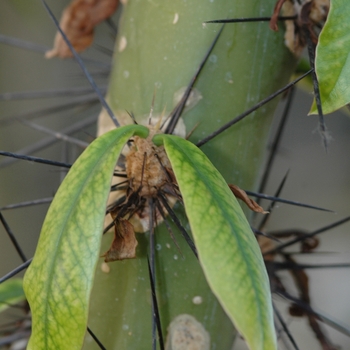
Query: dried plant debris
[124, 242]
[309, 15]
[301, 306]
[144, 167]
[242, 195]
[301, 281]
[186, 333]
[78, 22]
[143, 172]
[275, 15]
[319, 10]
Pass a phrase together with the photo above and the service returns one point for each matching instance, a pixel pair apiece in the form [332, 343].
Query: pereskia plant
[59, 280]
[175, 149]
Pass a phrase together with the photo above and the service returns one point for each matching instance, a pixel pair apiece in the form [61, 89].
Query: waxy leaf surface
[59, 280]
[11, 292]
[333, 58]
[227, 249]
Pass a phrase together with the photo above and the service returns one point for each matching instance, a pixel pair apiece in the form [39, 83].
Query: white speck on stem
[176, 18]
[228, 77]
[213, 58]
[122, 44]
[197, 300]
[105, 267]
[126, 74]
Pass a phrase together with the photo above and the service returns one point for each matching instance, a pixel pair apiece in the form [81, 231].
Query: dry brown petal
[77, 22]
[292, 37]
[310, 13]
[124, 242]
[319, 10]
[239, 193]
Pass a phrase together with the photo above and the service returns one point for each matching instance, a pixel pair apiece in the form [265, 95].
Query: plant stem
[159, 47]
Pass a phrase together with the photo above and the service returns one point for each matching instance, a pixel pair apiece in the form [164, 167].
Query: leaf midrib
[208, 187]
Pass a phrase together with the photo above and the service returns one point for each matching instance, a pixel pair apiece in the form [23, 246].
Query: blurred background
[315, 176]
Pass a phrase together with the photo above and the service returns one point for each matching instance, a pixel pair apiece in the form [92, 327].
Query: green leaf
[333, 58]
[59, 280]
[228, 251]
[11, 292]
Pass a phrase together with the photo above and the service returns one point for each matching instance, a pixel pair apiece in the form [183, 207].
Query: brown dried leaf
[239, 193]
[296, 311]
[319, 10]
[266, 244]
[311, 15]
[77, 22]
[302, 283]
[276, 13]
[124, 242]
[309, 244]
[306, 22]
[293, 38]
